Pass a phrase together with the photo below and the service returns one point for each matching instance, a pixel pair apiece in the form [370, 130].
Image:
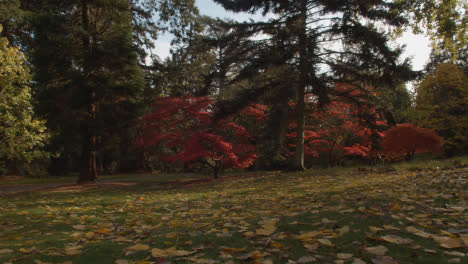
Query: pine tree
[328, 42]
[88, 78]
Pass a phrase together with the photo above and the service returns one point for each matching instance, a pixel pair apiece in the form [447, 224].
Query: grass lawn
[350, 216]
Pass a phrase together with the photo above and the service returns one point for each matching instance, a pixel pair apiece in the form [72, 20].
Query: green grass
[203, 217]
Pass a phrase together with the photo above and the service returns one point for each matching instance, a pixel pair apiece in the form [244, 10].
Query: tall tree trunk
[298, 161]
[88, 171]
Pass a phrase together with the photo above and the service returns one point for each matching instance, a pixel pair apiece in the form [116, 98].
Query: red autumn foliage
[347, 126]
[407, 139]
[183, 127]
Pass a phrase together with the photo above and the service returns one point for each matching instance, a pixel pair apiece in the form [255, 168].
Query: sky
[417, 46]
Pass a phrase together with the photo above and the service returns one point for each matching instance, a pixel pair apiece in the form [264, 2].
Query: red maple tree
[183, 126]
[347, 126]
[407, 139]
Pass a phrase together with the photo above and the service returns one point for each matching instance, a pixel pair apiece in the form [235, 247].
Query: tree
[407, 139]
[88, 81]
[22, 136]
[323, 41]
[444, 21]
[349, 125]
[442, 105]
[183, 128]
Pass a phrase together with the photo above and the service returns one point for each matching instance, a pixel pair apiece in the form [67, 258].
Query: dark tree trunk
[88, 171]
[216, 168]
[298, 161]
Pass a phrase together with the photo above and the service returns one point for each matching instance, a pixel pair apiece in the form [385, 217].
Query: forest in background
[82, 93]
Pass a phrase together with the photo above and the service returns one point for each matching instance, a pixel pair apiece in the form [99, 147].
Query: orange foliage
[407, 139]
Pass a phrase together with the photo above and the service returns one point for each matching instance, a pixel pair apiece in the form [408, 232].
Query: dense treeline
[318, 83]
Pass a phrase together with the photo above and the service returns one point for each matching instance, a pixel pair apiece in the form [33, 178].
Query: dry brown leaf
[325, 242]
[378, 250]
[228, 249]
[170, 252]
[343, 230]
[344, 255]
[138, 247]
[384, 260]
[358, 261]
[413, 230]
[464, 238]
[6, 251]
[311, 247]
[122, 261]
[306, 259]
[397, 240]
[79, 227]
[374, 229]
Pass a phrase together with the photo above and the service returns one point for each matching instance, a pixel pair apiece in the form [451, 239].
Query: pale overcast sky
[417, 46]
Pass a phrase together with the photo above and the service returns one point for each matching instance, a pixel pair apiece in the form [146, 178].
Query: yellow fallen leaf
[344, 230]
[396, 239]
[325, 242]
[415, 231]
[264, 232]
[228, 249]
[6, 251]
[170, 252]
[171, 235]
[374, 229]
[249, 234]
[72, 252]
[448, 242]
[395, 207]
[123, 239]
[344, 255]
[447, 233]
[79, 227]
[378, 250]
[276, 245]
[27, 250]
[311, 247]
[89, 235]
[464, 238]
[103, 231]
[138, 247]
[308, 236]
[36, 261]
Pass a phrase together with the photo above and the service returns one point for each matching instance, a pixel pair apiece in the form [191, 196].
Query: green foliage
[22, 136]
[444, 21]
[442, 104]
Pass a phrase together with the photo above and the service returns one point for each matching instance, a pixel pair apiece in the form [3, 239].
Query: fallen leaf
[344, 230]
[344, 256]
[395, 207]
[122, 261]
[378, 250]
[397, 240]
[6, 251]
[325, 242]
[455, 253]
[311, 247]
[306, 259]
[228, 249]
[374, 229]
[464, 238]
[79, 227]
[358, 261]
[448, 242]
[138, 247]
[170, 252]
[384, 260]
[413, 230]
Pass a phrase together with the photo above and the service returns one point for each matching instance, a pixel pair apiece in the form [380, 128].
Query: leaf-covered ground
[354, 217]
